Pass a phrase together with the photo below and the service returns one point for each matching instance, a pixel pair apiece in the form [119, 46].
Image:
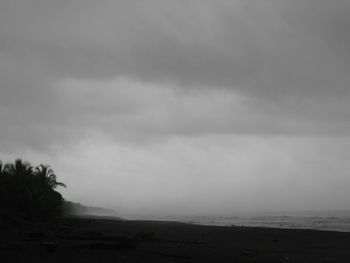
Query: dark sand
[100, 240]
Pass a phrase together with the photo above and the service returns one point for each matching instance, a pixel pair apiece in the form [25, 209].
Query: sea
[317, 220]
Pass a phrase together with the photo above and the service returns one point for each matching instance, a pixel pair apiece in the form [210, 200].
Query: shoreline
[282, 225]
[87, 239]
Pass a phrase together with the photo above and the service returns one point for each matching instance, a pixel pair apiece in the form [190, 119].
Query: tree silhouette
[47, 176]
[29, 193]
[19, 168]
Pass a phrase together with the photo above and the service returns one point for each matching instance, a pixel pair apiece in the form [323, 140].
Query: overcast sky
[181, 107]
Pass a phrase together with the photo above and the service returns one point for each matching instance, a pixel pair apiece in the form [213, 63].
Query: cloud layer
[289, 61]
[143, 75]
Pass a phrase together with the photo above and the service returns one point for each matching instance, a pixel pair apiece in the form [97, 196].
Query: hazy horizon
[181, 107]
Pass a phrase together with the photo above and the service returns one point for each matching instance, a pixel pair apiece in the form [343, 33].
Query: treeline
[74, 209]
[28, 192]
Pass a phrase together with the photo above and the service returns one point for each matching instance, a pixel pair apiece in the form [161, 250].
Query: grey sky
[148, 75]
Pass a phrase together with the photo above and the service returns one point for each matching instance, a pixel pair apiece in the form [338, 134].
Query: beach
[110, 240]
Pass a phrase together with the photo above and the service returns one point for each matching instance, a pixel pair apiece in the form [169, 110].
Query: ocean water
[324, 220]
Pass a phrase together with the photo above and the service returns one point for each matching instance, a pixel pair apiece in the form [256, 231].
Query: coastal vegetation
[29, 193]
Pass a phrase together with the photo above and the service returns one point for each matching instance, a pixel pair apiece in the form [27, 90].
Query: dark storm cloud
[268, 46]
[290, 58]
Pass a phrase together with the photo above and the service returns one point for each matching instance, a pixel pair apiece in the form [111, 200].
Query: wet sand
[104, 240]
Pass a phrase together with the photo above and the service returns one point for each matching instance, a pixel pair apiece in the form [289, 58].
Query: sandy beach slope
[105, 240]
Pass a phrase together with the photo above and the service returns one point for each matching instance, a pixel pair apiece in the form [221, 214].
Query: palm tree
[22, 171]
[29, 193]
[19, 168]
[17, 187]
[47, 176]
